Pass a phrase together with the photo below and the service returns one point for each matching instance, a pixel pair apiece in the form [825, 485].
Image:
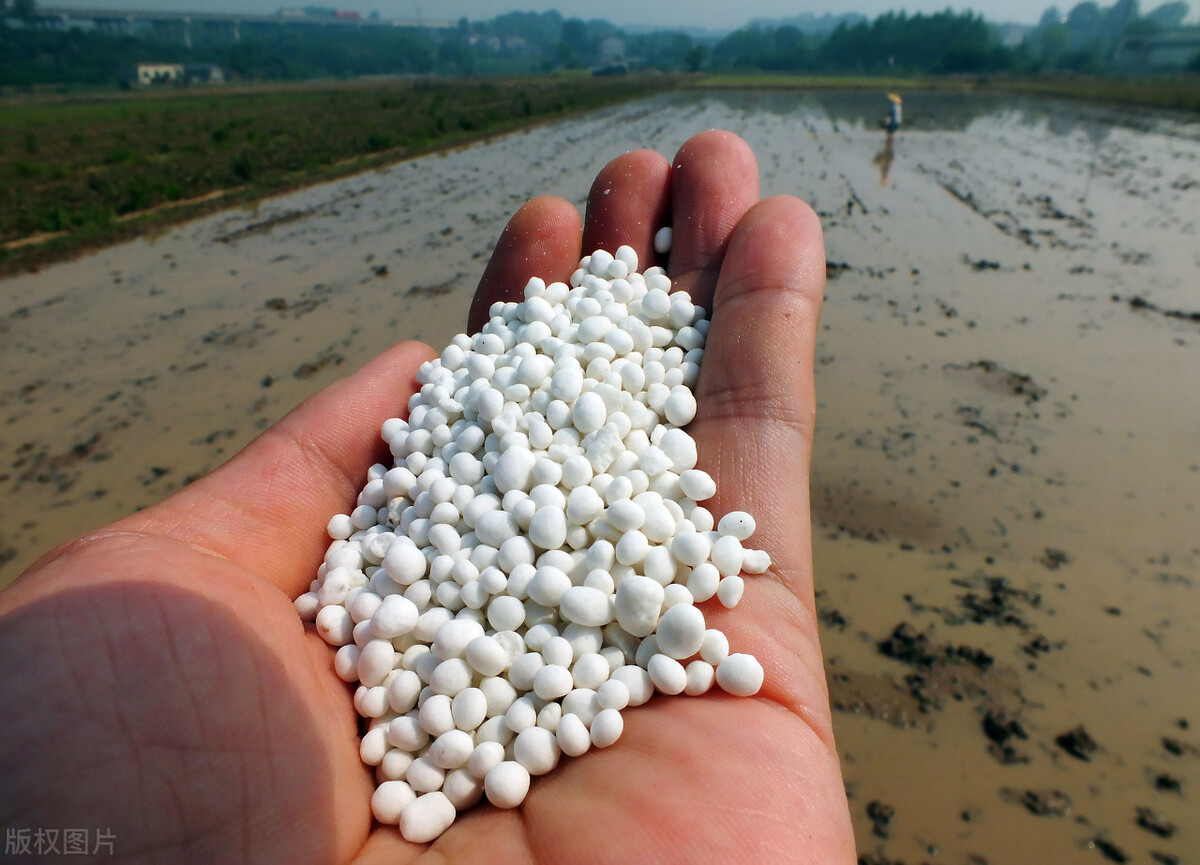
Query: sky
[710, 14]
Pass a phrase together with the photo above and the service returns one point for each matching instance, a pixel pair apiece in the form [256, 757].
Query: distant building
[612, 50]
[155, 74]
[204, 73]
[172, 74]
[1157, 52]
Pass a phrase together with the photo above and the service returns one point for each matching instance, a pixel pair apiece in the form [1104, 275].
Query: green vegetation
[79, 173]
[1179, 92]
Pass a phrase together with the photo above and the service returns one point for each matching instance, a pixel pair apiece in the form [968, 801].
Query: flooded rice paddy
[1008, 452]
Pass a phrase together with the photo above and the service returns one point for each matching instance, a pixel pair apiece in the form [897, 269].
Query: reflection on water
[953, 112]
[884, 158]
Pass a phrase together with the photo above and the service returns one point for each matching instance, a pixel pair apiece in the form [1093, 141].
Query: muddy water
[1008, 461]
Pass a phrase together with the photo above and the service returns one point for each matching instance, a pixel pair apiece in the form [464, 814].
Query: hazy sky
[714, 14]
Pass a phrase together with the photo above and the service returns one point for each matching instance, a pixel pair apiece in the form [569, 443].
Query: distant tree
[1168, 16]
[695, 57]
[1117, 19]
[1050, 17]
[24, 9]
[1084, 23]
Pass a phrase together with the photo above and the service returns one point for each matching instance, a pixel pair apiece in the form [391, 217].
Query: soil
[1006, 478]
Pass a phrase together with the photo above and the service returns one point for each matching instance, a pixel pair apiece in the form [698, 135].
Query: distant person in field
[892, 122]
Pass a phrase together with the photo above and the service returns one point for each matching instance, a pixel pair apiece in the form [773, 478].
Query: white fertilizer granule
[531, 563]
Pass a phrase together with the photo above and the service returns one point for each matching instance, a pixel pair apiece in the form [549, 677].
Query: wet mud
[1006, 478]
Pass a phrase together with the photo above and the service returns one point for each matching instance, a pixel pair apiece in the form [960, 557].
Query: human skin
[158, 684]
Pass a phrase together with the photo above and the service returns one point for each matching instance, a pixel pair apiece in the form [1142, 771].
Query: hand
[158, 683]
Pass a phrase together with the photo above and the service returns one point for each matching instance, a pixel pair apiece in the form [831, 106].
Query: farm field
[83, 171]
[1005, 483]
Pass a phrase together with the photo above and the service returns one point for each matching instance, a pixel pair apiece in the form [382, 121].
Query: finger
[754, 434]
[266, 509]
[756, 394]
[714, 181]
[628, 203]
[542, 239]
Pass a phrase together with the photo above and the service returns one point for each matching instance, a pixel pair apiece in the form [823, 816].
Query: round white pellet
[557, 650]
[451, 749]
[715, 647]
[521, 715]
[340, 527]
[573, 736]
[700, 675]
[469, 708]
[625, 515]
[536, 749]
[729, 593]
[486, 656]
[660, 565]
[389, 801]
[613, 694]
[548, 585]
[462, 789]
[375, 662]
[484, 757]
[499, 693]
[586, 606]
[424, 775]
[703, 581]
[589, 413]
[691, 548]
[404, 562]
[552, 682]
[738, 524]
[450, 677]
[335, 625]
[406, 732]
[549, 716]
[371, 702]
[427, 817]
[506, 784]
[727, 555]
[374, 746]
[667, 674]
[403, 690]
[395, 764]
[505, 613]
[638, 604]
[637, 681]
[680, 631]
[740, 674]
[345, 662]
[548, 528]
[662, 240]
[607, 727]
[514, 470]
[437, 715]
[591, 670]
[632, 548]
[680, 406]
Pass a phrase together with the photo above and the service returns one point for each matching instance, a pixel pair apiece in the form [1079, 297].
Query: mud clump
[1155, 823]
[1077, 742]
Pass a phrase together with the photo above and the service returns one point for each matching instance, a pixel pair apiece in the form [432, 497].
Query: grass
[80, 173]
[1180, 92]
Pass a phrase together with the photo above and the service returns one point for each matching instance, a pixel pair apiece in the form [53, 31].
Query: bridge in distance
[182, 25]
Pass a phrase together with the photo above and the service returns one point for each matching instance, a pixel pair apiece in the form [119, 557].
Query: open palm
[159, 685]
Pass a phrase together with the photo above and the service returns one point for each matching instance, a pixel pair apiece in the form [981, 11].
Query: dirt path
[1007, 471]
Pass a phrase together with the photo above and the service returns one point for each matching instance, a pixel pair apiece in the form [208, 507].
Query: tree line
[1085, 40]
